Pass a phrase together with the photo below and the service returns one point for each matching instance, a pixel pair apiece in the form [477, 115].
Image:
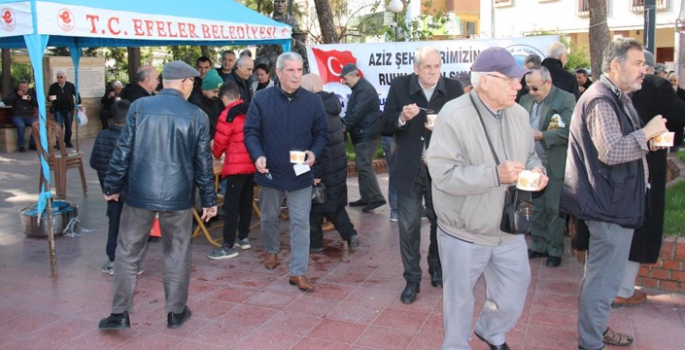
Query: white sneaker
[243, 243]
[107, 267]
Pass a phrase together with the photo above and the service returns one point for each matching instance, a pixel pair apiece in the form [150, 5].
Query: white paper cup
[297, 157]
[665, 139]
[528, 181]
[25, 97]
[52, 97]
[117, 98]
[430, 119]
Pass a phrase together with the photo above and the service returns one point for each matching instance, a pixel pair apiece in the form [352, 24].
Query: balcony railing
[639, 5]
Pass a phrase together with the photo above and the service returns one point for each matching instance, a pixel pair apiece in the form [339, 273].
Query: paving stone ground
[238, 304]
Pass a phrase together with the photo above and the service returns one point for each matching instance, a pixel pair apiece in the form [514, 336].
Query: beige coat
[467, 195]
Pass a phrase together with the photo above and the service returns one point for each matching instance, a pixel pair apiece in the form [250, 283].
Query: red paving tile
[238, 304]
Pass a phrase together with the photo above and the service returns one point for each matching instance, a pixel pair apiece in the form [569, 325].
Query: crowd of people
[455, 149]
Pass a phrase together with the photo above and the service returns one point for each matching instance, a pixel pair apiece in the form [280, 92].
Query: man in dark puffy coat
[331, 170]
[99, 160]
[361, 121]
[561, 78]
[160, 156]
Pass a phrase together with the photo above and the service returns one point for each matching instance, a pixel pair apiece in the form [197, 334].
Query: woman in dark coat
[332, 171]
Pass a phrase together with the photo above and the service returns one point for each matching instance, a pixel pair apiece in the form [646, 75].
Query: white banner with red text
[379, 63]
[81, 21]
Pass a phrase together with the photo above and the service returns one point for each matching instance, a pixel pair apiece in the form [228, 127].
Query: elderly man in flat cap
[162, 153]
[481, 142]
[362, 122]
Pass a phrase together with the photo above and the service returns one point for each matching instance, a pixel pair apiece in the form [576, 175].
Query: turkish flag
[330, 63]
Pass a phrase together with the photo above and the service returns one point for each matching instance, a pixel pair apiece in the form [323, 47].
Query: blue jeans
[65, 118]
[22, 122]
[392, 193]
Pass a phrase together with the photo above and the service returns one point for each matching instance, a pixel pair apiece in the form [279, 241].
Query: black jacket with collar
[211, 107]
[562, 78]
[362, 112]
[162, 154]
[133, 91]
[243, 86]
[102, 151]
[21, 107]
[65, 96]
[408, 141]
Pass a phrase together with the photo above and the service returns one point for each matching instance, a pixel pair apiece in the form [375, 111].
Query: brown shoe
[271, 261]
[637, 299]
[302, 282]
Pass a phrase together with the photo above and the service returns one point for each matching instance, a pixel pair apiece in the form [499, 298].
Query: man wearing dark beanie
[208, 101]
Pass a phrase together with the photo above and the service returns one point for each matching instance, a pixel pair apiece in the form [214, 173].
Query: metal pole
[51, 240]
[649, 31]
[397, 28]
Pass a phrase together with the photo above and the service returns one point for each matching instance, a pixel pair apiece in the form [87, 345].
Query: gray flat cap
[175, 70]
[649, 59]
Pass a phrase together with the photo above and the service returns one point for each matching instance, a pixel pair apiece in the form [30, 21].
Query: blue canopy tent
[76, 24]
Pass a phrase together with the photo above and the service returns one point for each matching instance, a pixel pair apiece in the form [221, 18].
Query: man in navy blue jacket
[281, 119]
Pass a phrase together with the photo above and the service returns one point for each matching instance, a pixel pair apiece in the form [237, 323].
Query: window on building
[469, 28]
[584, 8]
[639, 5]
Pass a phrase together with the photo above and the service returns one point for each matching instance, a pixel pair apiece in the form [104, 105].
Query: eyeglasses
[533, 88]
[511, 81]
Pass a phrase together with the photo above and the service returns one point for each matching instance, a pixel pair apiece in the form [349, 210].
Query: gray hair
[117, 84]
[144, 72]
[544, 73]
[555, 50]
[618, 50]
[61, 72]
[475, 78]
[287, 56]
[421, 53]
[241, 61]
[534, 59]
[23, 81]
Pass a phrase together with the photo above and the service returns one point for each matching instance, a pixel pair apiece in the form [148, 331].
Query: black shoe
[373, 205]
[154, 239]
[553, 261]
[69, 145]
[436, 276]
[409, 293]
[22, 149]
[33, 147]
[115, 322]
[493, 347]
[177, 320]
[359, 203]
[534, 255]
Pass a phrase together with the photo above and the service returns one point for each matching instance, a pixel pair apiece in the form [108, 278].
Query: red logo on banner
[65, 20]
[330, 63]
[8, 20]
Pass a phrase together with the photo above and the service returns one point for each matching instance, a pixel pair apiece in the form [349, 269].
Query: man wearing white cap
[480, 143]
[161, 155]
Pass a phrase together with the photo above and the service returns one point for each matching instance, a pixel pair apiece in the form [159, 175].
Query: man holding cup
[62, 98]
[23, 103]
[280, 120]
[550, 110]
[606, 183]
[412, 101]
[469, 188]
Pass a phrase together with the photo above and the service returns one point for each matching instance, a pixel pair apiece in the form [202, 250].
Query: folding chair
[201, 227]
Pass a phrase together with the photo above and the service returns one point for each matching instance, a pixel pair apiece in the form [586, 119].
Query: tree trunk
[205, 50]
[323, 11]
[599, 35]
[6, 72]
[133, 63]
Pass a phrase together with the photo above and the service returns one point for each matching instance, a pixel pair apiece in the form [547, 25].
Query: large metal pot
[62, 213]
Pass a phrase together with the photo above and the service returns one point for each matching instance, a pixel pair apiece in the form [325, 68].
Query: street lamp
[396, 6]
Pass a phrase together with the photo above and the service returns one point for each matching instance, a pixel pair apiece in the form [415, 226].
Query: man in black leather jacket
[162, 153]
[362, 122]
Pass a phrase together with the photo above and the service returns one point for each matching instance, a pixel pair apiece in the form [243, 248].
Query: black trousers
[114, 215]
[339, 219]
[238, 198]
[409, 217]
